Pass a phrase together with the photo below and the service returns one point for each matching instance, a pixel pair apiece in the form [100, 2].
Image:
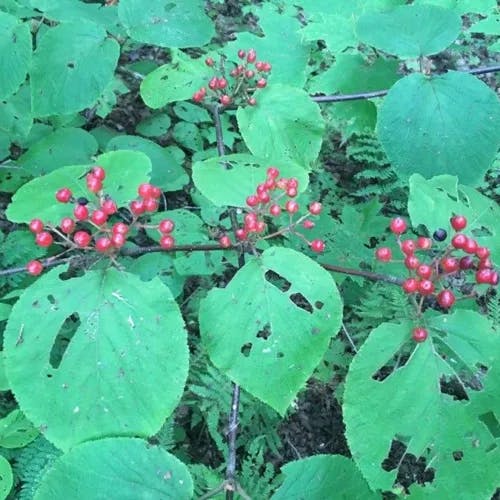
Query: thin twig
[386, 278]
[381, 93]
[346, 333]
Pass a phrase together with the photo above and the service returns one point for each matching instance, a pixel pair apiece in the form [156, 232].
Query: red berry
[291, 192]
[383, 254]
[36, 226]
[484, 276]
[270, 184]
[273, 172]
[99, 173]
[118, 240]
[485, 264]
[137, 207]
[261, 188]
[259, 66]
[166, 226]
[261, 83]
[44, 239]
[424, 243]
[251, 56]
[221, 83]
[446, 298]
[103, 244]
[252, 200]
[459, 240]
[81, 212]
[494, 278]
[209, 61]
[81, 238]
[458, 222]
[120, 228]
[64, 195]
[145, 190]
[317, 246]
[249, 73]
[260, 227]
[150, 204]
[167, 241]
[241, 54]
[426, 287]
[94, 185]
[67, 225]
[241, 234]
[264, 197]
[424, 271]
[308, 224]
[419, 334]
[212, 84]
[198, 96]
[109, 207]
[483, 252]
[315, 208]
[408, 247]
[250, 221]
[225, 241]
[291, 206]
[450, 264]
[275, 210]
[251, 101]
[470, 246]
[225, 100]
[34, 267]
[266, 67]
[410, 285]
[411, 262]
[99, 217]
[398, 225]
[155, 192]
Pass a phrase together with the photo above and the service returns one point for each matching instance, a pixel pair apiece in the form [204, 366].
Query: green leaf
[15, 53]
[38, 196]
[116, 468]
[410, 30]
[228, 180]
[192, 113]
[489, 26]
[15, 116]
[16, 431]
[284, 124]
[282, 45]
[64, 76]
[416, 411]
[6, 477]
[167, 24]
[175, 81]
[257, 329]
[317, 477]
[432, 202]
[4, 383]
[445, 124]
[105, 353]
[65, 146]
[188, 135]
[155, 125]
[167, 170]
[462, 6]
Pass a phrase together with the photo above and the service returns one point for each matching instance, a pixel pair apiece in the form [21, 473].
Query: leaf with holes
[269, 328]
[116, 468]
[105, 353]
[318, 476]
[6, 477]
[421, 390]
[16, 431]
[125, 170]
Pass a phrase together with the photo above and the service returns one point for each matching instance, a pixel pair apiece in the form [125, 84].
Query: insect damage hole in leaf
[490, 420]
[395, 363]
[246, 348]
[453, 387]
[63, 339]
[277, 280]
[265, 332]
[301, 302]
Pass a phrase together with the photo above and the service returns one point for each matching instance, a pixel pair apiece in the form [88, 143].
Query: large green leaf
[284, 124]
[16, 431]
[38, 196]
[103, 354]
[72, 65]
[167, 171]
[15, 53]
[167, 23]
[15, 116]
[269, 328]
[323, 476]
[175, 81]
[462, 6]
[116, 469]
[441, 124]
[430, 423]
[432, 203]
[228, 180]
[410, 30]
[6, 477]
[65, 146]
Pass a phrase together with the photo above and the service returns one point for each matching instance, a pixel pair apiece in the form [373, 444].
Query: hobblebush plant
[184, 248]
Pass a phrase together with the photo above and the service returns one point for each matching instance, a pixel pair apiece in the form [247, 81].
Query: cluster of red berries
[435, 269]
[245, 78]
[92, 224]
[269, 200]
